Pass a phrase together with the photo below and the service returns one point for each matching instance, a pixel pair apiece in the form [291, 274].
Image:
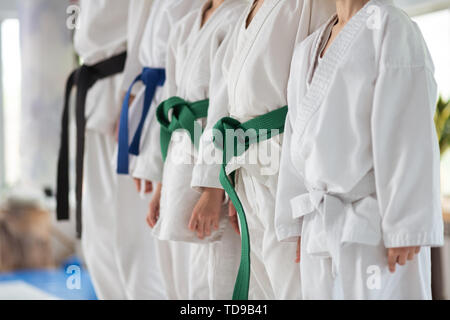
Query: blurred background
[40, 258]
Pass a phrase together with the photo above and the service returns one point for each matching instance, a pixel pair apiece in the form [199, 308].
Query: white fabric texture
[100, 37]
[99, 223]
[193, 53]
[256, 67]
[360, 162]
[363, 275]
[164, 16]
[119, 249]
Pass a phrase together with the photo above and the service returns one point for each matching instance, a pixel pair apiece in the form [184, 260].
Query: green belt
[184, 116]
[267, 122]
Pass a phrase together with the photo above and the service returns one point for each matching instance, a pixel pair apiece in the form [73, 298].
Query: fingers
[201, 226]
[137, 182]
[193, 222]
[207, 229]
[232, 213]
[297, 260]
[153, 215]
[130, 102]
[231, 209]
[392, 259]
[411, 255]
[235, 224]
[400, 256]
[148, 221]
[200, 229]
[148, 187]
[401, 259]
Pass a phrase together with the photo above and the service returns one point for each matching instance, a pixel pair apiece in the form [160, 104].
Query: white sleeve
[406, 157]
[149, 165]
[207, 169]
[290, 185]
[138, 15]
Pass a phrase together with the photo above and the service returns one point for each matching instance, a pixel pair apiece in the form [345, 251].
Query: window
[10, 104]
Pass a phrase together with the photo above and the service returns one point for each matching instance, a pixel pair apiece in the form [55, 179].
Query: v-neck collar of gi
[247, 36]
[198, 23]
[319, 80]
[199, 29]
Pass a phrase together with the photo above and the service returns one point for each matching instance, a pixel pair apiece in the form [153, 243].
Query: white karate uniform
[360, 162]
[165, 14]
[257, 71]
[118, 248]
[193, 53]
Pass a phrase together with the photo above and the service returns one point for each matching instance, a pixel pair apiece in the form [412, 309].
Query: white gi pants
[99, 223]
[199, 270]
[119, 249]
[274, 273]
[363, 274]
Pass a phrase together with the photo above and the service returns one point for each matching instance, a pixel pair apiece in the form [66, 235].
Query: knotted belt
[262, 128]
[152, 78]
[84, 78]
[176, 113]
[332, 210]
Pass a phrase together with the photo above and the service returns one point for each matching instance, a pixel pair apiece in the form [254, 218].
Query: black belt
[84, 78]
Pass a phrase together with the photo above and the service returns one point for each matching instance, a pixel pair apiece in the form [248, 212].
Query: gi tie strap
[152, 78]
[175, 113]
[332, 209]
[262, 128]
[83, 78]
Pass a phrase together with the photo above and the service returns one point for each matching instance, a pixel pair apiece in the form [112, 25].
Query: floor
[70, 282]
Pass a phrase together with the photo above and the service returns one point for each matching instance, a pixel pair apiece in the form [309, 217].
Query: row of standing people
[353, 169]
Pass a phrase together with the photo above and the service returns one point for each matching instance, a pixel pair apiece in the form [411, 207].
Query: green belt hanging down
[262, 127]
[184, 116]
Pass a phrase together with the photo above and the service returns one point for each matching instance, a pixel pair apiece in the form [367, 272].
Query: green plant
[442, 121]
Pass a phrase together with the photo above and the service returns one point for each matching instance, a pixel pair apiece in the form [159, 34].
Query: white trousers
[193, 271]
[119, 249]
[274, 273]
[363, 274]
[198, 269]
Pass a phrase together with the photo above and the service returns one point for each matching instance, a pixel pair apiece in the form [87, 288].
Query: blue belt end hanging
[152, 78]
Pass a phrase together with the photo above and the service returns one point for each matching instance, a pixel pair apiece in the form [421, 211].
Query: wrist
[214, 193]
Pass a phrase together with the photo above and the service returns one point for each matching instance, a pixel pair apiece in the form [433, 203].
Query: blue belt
[152, 78]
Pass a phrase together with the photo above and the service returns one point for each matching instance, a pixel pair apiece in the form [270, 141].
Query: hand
[206, 214]
[148, 186]
[130, 102]
[153, 214]
[400, 255]
[299, 242]
[232, 215]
